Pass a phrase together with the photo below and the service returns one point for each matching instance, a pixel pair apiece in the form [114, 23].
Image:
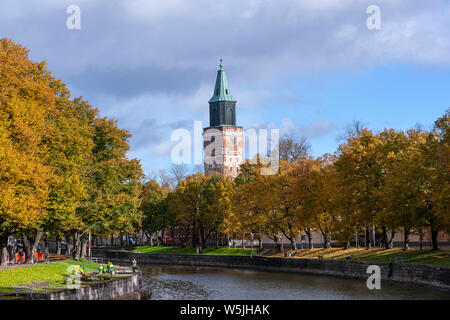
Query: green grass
[430, 257]
[84, 263]
[54, 272]
[179, 250]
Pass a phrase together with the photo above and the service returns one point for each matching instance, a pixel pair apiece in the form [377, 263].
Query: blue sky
[306, 67]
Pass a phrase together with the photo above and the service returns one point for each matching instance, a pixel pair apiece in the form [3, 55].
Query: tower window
[213, 153]
[226, 91]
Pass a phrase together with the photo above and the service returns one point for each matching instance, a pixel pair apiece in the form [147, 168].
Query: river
[204, 283]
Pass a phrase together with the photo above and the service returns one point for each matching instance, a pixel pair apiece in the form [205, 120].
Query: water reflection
[201, 283]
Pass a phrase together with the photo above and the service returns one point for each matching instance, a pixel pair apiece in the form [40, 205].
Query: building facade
[223, 140]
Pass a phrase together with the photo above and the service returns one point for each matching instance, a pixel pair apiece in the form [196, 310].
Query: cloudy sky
[307, 67]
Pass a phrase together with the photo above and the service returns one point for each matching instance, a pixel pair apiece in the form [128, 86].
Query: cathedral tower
[223, 141]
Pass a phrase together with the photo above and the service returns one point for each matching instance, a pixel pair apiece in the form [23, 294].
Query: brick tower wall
[228, 151]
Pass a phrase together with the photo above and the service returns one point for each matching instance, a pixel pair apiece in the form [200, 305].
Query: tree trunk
[46, 249]
[391, 240]
[76, 247]
[434, 238]
[326, 241]
[367, 234]
[420, 238]
[406, 239]
[193, 234]
[292, 243]
[217, 238]
[384, 237]
[30, 248]
[260, 239]
[276, 240]
[58, 245]
[310, 240]
[347, 245]
[68, 247]
[3, 251]
[84, 246]
[373, 235]
[282, 245]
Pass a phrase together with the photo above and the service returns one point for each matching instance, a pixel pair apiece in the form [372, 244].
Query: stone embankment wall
[433, 276]
[127, 287]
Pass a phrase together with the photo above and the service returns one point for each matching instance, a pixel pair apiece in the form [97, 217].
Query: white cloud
[139, 60]
[164, 148]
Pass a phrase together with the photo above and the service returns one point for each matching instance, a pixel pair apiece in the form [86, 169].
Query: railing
[21, 291]
[97, 260]
[398, 259]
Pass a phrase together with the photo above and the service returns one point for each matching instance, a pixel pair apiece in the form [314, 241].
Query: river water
[204, 283]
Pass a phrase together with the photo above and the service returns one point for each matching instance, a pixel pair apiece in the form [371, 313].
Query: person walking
[133, 265]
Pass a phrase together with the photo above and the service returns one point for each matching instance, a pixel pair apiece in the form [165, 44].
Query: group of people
[79, 269]
[288, 254]
[102, 270]
[108, 269]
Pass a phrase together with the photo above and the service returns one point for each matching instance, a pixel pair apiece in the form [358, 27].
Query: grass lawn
[438, 258]
[227, 251]
[54, 273]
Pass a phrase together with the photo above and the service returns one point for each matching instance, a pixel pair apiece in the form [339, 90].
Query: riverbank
[120, 287]
[49, 282]
[413, 255]
[189, 250]
[53, 274]
[431, 276]
[375, 254]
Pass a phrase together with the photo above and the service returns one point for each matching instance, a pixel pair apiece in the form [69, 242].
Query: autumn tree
[154, 208]
[360, 167]
[441, 197]
[292, 148]
[27, 102]
[216, 205]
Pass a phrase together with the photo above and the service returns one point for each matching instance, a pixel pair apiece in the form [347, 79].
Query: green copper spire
[222, 90]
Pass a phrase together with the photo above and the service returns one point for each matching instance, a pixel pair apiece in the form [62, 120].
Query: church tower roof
[222, 90]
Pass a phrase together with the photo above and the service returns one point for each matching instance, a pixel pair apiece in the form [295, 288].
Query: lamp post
[89, 252]
[251, 239]
[46, 253]
[90, 234]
